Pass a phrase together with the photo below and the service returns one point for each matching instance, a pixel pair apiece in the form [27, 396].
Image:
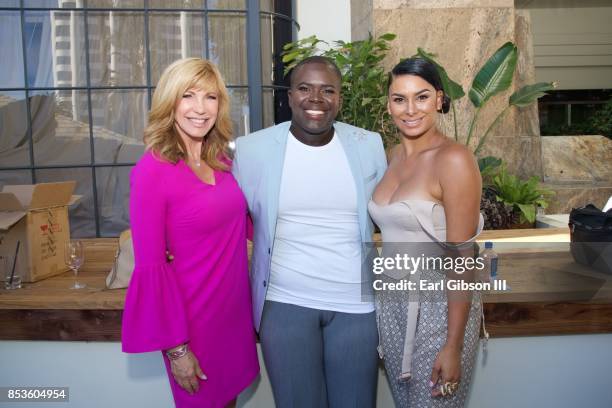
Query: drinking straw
[14, 263]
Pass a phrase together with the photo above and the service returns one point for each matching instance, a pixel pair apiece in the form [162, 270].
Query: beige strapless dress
[413, 331]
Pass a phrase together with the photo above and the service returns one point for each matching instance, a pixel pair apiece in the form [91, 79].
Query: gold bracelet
[181, 351]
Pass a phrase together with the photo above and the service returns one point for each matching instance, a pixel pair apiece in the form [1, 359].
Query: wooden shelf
[550, 295]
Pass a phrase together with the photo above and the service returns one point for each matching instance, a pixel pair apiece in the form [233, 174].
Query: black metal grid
[255, 86]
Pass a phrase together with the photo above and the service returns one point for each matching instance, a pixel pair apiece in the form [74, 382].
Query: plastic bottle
[490, 257]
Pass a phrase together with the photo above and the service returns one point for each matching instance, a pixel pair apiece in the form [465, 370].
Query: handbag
[591, 237]
[120, 274]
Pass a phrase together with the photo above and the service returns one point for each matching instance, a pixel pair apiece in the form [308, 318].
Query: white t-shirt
[316, 259]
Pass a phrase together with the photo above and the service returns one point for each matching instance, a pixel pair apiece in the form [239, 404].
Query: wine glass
[73, 257]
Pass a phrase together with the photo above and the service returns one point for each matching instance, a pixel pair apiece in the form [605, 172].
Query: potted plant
[521, 198]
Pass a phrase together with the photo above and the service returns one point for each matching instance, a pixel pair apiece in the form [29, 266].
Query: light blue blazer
[258, 165]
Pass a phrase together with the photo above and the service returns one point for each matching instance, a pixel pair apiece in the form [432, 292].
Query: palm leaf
[488, 163]
[495, 76]
[530, 93]
[387, 36]
[451, 88]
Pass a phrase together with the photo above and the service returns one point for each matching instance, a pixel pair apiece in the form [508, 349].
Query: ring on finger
[448, 388]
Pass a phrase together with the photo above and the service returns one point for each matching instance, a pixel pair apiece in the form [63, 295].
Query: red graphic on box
[53, 227]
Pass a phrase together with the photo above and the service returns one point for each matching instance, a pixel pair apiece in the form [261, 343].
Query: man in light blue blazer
[307, 184]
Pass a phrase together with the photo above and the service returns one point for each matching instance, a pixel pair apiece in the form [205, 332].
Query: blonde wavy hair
[161, 136]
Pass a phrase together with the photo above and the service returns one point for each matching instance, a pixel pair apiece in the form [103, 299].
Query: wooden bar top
[549, 294]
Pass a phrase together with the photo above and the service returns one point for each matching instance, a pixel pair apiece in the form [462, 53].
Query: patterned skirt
[431, 333]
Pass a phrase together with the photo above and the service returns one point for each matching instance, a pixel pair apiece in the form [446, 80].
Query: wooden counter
[550, 295]
[48, 310]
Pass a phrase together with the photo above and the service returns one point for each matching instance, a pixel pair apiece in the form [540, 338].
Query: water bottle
[489, 273]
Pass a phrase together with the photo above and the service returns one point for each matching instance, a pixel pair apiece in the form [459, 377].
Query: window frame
[255, 87]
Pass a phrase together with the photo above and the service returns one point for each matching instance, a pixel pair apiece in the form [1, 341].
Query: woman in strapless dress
[429, 197]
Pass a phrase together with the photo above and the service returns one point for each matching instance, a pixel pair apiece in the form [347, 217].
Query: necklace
[197, 162]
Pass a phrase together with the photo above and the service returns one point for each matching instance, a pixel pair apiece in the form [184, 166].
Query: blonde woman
[184, 200]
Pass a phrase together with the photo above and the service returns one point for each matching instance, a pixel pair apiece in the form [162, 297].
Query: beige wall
[572, 38]
[572, 42]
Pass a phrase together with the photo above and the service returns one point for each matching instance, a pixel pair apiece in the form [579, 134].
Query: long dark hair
[423, 69]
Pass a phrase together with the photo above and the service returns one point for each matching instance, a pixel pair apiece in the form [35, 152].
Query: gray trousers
[319, 358]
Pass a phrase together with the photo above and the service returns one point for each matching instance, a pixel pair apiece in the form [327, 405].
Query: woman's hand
[446, 369]
[186, 371]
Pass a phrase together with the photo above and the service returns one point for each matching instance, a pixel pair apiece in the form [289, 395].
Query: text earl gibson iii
[442, 284]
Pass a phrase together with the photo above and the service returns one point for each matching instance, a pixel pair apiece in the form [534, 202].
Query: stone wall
[361, 19]
[578, 170]
[464, 34]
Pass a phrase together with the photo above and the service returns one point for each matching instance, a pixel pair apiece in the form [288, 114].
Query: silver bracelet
[181, 351]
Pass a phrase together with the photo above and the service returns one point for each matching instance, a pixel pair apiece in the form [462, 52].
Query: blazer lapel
[275, 172]
[352, 155]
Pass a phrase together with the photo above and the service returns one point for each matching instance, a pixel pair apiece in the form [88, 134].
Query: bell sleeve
[154, 316]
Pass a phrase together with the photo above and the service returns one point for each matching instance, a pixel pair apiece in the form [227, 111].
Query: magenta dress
[202, 296]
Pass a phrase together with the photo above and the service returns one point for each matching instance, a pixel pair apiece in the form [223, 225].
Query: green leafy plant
[364, 79]
[488, 166]
[602, 120]
[493, 78]
[597, 122]
[523, 195]
[563, 129]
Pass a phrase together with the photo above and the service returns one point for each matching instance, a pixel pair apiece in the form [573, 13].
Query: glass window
[173, 36]
[113, 186]
[55, 52]
[14, 140]
[266, 5]
[116, 48]
[275, 33]
[52, 3]
[119, 118]
[115, 3]
[11, 52]
[60, 128]
[572, 112]
[15, 177]
[227, 46]
[177, 4]
[268, 107]
[227, 4]
[78, 75]
[239, 109]
[267, 47]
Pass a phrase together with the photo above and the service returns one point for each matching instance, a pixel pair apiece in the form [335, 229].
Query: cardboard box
[36, 216]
